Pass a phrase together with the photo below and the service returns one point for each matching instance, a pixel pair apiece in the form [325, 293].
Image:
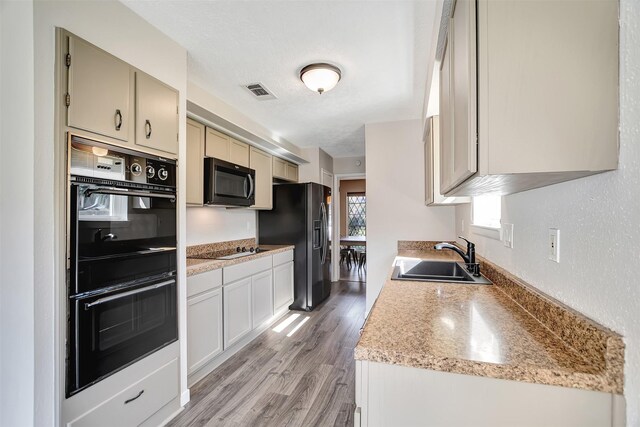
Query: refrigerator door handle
[325, 235]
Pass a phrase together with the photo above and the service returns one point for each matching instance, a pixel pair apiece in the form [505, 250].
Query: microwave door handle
[250, 186]
[115, 192]
[88, 305]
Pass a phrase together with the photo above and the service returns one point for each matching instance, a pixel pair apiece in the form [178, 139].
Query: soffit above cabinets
[206, 117]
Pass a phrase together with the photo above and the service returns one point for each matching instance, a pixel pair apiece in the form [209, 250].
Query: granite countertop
[197, 265]
[482, 330]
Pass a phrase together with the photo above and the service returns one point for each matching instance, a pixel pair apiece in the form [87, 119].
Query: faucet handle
[468, 242]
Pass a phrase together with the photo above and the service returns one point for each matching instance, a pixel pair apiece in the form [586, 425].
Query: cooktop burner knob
[258, 250]
[136, 169]
[244, 249]
[238, 249]
[163, 174]
[151, 172]
[251, 249]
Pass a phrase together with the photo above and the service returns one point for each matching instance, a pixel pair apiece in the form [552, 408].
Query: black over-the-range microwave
[228, 184]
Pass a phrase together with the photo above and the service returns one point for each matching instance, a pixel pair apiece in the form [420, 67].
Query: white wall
[16, 214]
[598, 218]
[395, 198]
[210, 225]
[347, 165]
[115, 28]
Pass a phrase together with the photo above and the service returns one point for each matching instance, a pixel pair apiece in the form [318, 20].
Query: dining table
[350, 241]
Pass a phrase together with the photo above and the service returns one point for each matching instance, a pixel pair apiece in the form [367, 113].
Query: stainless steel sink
[435, 271]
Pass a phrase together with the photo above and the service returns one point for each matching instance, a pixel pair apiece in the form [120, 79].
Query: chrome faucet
[469, 257]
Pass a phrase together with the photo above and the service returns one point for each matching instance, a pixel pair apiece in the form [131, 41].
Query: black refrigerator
[300, 217]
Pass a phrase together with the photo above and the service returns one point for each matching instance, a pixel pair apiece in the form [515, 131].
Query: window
[487, 211]
[357, 214]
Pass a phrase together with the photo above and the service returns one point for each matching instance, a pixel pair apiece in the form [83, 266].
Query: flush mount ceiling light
[320, 77]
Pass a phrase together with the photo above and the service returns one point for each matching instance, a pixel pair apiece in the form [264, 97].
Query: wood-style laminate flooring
[303, 375]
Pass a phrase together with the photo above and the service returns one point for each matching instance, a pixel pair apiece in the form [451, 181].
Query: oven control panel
[97, 160]
[152, 171]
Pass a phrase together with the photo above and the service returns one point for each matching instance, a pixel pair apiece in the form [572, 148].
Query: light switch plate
[554, 244]
[506, 234]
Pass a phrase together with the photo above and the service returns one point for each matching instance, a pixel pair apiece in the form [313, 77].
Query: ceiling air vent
[259, 91]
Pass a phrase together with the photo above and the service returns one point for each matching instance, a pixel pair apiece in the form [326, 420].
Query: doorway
[350, 228]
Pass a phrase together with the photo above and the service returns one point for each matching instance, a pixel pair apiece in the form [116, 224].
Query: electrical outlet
[506, 231]
[554, 244]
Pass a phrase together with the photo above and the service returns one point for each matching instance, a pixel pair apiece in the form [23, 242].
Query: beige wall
[348, 186]
[395, 198]
[349, 165]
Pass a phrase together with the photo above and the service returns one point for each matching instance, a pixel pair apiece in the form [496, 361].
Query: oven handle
[88, 305]
[115, 192]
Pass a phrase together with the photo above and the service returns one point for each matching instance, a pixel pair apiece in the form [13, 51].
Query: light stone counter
[507, 330]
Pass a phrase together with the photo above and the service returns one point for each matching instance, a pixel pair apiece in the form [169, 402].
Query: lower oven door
[113, 330]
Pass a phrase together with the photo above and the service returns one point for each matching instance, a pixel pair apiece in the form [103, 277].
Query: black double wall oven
[122, 290]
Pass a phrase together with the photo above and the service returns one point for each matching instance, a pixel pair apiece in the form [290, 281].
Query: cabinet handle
[118, 119]
[147, 128]
[134, 398]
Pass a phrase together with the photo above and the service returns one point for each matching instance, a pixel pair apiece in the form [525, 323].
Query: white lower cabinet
[237, 310]
[136, 403]
[204, 328]
[282, 286]
[261, 298]
[392, 395]
[229, 307]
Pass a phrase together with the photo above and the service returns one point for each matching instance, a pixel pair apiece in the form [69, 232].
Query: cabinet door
[446, 123]
[263, 165]
[429, 173]
[238, 152]
[217, 145]
[279, 170]
[462, 44]
[282, 286]
[204, 328]
[261, 297]
[156, 114]
[237, 311]
[291, 172]
[99, 91]
[195, 162]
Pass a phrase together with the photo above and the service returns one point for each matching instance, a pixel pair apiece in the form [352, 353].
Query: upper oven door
[228, 184]
[109, 223]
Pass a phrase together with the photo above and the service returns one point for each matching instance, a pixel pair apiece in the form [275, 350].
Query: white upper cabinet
[545, 107]
[99, 87]
[462, 41]
[262, 163]
[195, 163]
[156, 114]
[433, 197]
[122, 105]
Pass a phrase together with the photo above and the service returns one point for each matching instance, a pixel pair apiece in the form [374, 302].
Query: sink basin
[435, 271]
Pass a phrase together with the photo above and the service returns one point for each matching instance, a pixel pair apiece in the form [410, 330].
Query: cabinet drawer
[154, 391]
[203, 282]
[282, 257]
[246, 269]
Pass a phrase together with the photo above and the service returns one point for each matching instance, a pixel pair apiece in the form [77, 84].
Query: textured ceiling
[381, 47]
